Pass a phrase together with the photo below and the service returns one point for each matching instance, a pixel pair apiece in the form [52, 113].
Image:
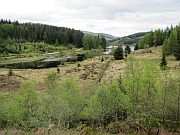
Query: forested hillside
[169, 38]
[131, 39]
[15, 32]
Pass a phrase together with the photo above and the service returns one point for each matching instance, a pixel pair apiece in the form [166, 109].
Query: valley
[60, 81]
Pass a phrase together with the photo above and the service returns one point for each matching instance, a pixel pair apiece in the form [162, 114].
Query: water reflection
[43, 63]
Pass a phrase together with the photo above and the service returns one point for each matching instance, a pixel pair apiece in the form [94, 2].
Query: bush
[50, 80]
[88, 54]
[102, 59]
[63, 61]
[114, 127]
[118, 53]
[87, 131]
[172, 125]
[78, 65]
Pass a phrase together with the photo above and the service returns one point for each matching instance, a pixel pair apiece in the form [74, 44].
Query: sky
[116, 17]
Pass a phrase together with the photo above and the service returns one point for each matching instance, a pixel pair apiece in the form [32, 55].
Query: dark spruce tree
[127, 49]
[163, 63]
[136, 47]
[103, 43]
[118, 53]
[176, 50]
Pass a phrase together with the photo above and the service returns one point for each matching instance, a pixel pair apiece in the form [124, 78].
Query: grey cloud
[112, 16]
[112, 8]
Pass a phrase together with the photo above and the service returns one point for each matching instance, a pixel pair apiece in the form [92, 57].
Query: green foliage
[88, 54]
[143, 94]
[171, 96]
[152, 38]
[3, 118]
[50, 80]
[140, 82]
[118, 53]
[114, 128]
[176, 49]
[90, 42]
[12, 32]
[103, 43]
[112, 51]
[173, 41]
[87, 131]
[28, 109]
[172, 126]
[65, 104]
[107, 105]
[21, 108]
[102, 59]
[128, 49]
[131, 39]
[163, 63]
[171, 44]
[78, 64]
[136, 47]
[166, 48]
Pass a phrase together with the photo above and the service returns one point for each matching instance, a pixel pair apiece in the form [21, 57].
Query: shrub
[78, 65]
[50, 80]
[88, 54]
[114, 127]
[87, 131]
[118, 53]
[10, 73]
[102, 59]
[127, 49]
[163, 63]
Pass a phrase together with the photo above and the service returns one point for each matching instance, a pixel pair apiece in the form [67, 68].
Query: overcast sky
[115, 17]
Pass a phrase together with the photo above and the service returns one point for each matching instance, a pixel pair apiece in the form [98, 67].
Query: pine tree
[118, 53]
[166, 48]
[163, 63]
[136, 47]
[128, 49]
[173, 41]
[150, 40]
[103, 43]
[176, 50]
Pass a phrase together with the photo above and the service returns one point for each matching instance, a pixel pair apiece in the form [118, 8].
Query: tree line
[169, 38]
[94, 42]
[171, 44]
[34, 32]
[14, 36]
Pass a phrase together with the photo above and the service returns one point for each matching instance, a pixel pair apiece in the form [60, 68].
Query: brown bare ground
[8, 83]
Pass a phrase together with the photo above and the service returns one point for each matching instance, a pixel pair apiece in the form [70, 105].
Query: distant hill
[131, 39]
[106, 36]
